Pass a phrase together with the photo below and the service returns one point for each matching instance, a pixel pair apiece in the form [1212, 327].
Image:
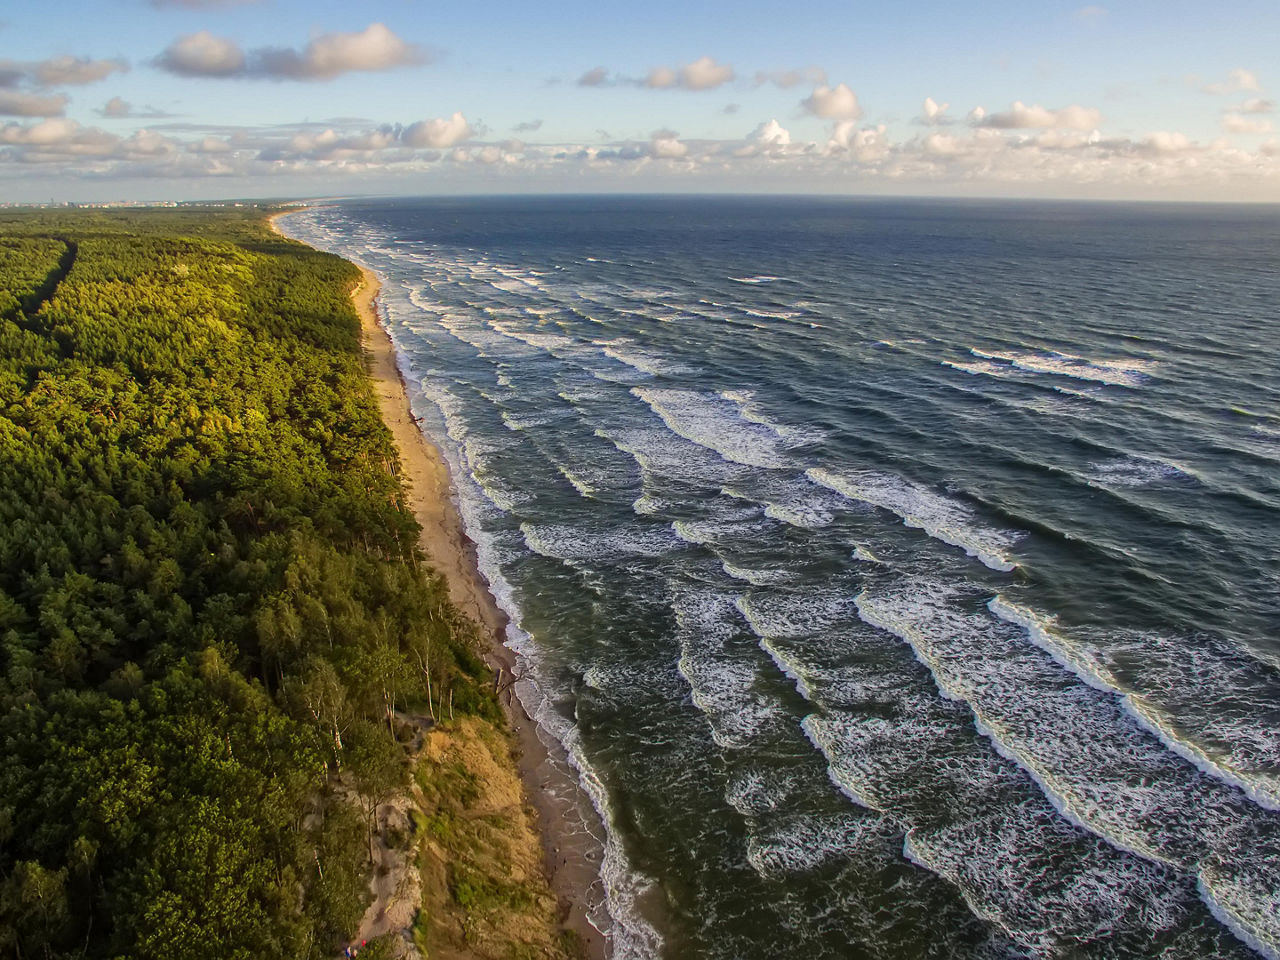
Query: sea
[901, 578]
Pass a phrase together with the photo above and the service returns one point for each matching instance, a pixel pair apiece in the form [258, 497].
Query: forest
[213, 607]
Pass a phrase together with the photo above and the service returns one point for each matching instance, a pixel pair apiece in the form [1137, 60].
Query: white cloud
[770, 133]
[1035, 117]
[868, 145]
[328, 56]
[210, 145]
[438, 133]
[17, 104]
[58, 71]
[660, 78]
[705, 74]
[202, 55]
[374, 48]
[701, 74]
[528, 126]
[1238, 80]
[66, 71]
[1164, 142]
[664, 146]
[933, 114]
[55, 130]
[833, 103]
[1238, 123]
[1252, 105]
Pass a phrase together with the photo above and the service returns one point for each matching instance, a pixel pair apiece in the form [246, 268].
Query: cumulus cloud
[1252, 105]
[75, 71]
[705, 74]
[770, 133]
[868, 145]
[203, 55]
[1238, 123]
[438, 133]
[14, 103]
[701, 74]
[57, 71]
[529, 126]
[1238, 80]
[1035, 117]
[327, 56]
[833, 103]
[664, 145]
[57, 137]
[374, 48]
[933, 114]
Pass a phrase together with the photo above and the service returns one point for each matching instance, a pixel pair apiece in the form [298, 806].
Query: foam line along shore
[570, 834]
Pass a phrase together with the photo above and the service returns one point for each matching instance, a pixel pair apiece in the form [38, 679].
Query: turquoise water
[902, 577]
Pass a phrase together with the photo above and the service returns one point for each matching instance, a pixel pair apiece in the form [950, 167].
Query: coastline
[571, 857]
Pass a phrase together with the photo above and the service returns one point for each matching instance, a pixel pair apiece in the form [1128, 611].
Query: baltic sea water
[903, 577]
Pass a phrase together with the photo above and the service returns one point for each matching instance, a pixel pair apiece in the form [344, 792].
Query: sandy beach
[571, 854]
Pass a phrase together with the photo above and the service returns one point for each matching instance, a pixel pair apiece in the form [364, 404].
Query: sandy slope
[570, 855]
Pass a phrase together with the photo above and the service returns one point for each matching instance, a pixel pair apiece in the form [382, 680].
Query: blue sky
[209, 98]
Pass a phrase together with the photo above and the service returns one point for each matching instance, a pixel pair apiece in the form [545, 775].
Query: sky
[204, 99]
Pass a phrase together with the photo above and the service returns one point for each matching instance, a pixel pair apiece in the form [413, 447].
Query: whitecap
[939, 516]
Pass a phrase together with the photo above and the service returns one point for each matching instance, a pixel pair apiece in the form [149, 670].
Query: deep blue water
[902, 576]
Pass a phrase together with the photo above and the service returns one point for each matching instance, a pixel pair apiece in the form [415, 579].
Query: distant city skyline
[191, 99]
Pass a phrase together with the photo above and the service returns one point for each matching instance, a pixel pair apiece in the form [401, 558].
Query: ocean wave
[1240, 698]
[722, 682]
[803, 842]
[1122, 371]
[578, 543]
[1135, 471]
[1098, 769]
[712, 422]
[940, 517]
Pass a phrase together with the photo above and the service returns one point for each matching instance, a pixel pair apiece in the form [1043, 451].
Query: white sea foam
[645, 361]
[1098, 769]
[1135, 472]
[630, 935]
[803, 842]
[712, 422]
[1123, 371]
[863, 553]
[755, 576]
[775, 614]
[939, 516]
[749, 409]
[1238, 726]
[722, 683]
[577, 543]
[758, 278]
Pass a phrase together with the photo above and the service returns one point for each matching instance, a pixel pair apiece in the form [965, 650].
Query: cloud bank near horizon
[788, 127]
